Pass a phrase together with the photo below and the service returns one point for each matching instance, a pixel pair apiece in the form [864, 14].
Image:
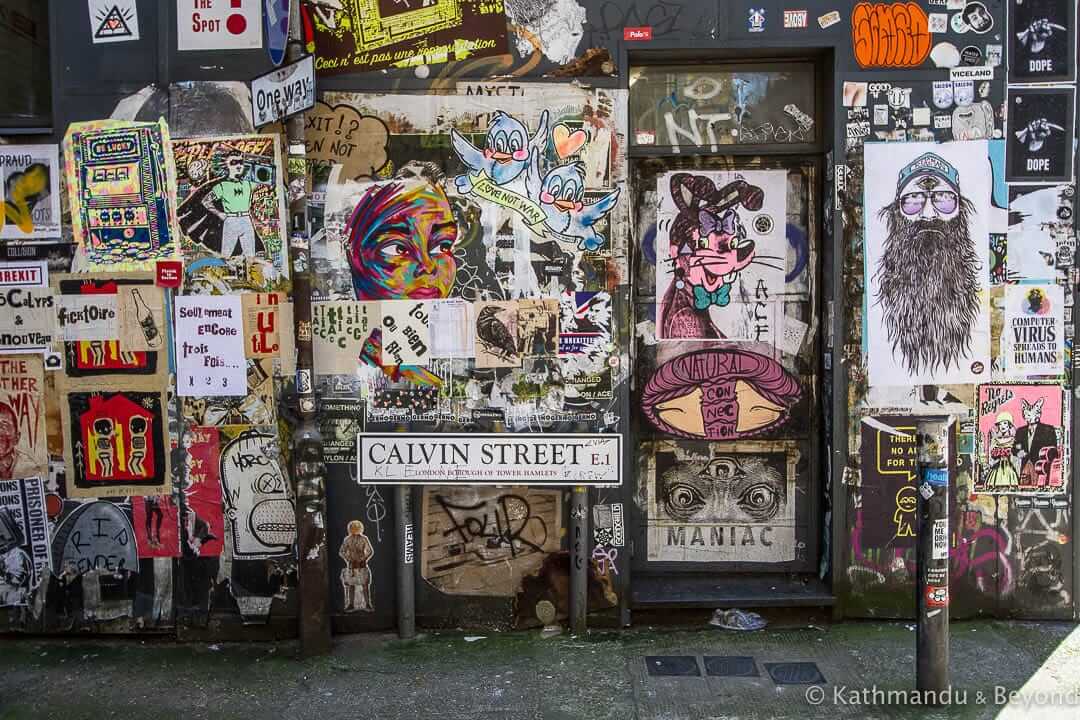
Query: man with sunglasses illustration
[927, 276]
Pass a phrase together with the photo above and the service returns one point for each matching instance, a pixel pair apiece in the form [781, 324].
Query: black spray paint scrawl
[1040, 134]
[1042, 41]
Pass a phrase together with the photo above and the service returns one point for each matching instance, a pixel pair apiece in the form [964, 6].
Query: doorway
[726, 180]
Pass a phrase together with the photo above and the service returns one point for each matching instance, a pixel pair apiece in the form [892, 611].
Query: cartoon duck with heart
[561, 193]
[506, 151]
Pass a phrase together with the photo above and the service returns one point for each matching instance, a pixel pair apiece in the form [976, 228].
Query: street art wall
[519, 222]
[958, 248]
[470, 282]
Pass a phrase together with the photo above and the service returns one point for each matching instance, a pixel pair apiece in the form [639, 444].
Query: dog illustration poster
[114, 443]
[1042, 41]
[1033, 336]
[1021, 439]
[1039, 138]
[721, 250]
[927, 315]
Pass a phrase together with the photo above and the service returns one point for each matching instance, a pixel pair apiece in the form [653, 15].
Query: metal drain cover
[730, 666]
[672, 665]
[795, 673]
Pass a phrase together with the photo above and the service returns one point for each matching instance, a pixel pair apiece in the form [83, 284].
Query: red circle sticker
[236, 24]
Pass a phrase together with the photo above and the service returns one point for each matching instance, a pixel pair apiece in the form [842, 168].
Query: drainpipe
[307, 444]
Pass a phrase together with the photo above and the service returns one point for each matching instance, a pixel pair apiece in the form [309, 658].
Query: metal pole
[406, 585]
[932, 590]
[579, 558]
[309, 470]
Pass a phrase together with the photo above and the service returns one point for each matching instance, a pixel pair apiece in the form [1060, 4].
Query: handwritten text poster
[210, 346]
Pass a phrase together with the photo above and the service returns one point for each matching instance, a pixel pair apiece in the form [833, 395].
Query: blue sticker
[938, 477]
[276, 24]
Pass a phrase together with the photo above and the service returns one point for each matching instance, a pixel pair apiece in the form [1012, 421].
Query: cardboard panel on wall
[720, 502]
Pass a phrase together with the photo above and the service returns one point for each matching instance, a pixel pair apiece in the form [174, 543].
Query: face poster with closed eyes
[927, 212]
[721, 502]
[721, 253]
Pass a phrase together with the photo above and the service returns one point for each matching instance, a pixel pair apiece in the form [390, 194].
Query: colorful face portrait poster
[114, 443]
[30, 178]
[230, 195]
[122, 187]
[710, 503]
[927, 315]
[721, 250]
[1021, 439]
[23, 446]
[373, 35]
[1042, 41]
[1033, 335]
[25, 555]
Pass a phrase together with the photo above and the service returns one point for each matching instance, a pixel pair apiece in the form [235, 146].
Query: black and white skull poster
[927, 262]
[1040, 134]
[1042, 41]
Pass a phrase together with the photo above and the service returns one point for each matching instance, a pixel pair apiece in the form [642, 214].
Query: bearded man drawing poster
[926, 210]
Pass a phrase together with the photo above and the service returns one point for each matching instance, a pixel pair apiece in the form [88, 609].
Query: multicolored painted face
[401, 241]
[719, 252]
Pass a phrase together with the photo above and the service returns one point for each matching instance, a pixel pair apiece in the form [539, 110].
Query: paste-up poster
[27, 315]
[585, 344]
[24, 540]
[122, 188]
[1040, 236]
[711, 502]
[87, 317]
[889, 457]
[210, 346]
[340, 329]
[115, 443]
[88, 362]
[1039, 137]
[1042, 41]
[24, 448]
[538, 327]
[406, 338]
[721, 250]
[231, 197]
[1021, 439]
[218, 24]
[157, 527]
[927, 315]
[113, 20]
[255, 487]
[202, 520]
[360, 37]
[1033, 333]
[497, 334]
[30, 178]
[262, 338]
[454, 337]
[254, 405]
[141, 317]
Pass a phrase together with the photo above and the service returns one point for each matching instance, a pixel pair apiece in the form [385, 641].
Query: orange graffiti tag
[895, 36]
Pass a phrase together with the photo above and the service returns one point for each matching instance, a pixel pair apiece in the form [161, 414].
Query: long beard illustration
[928, 288]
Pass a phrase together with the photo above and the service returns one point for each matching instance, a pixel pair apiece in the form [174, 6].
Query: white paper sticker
[218, 24]
[940, 548]
[87, 317]
[920, 116]
[971, 73]
[30, 178]
[792, 334]
[283, 92]
[113, 21]
[405, 336]
[210, 358]
[454, 336]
